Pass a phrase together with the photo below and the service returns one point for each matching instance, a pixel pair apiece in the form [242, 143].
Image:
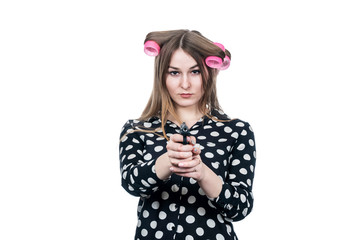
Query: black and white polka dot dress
[178, 208]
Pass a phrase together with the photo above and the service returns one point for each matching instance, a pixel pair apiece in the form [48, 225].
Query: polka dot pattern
[178, 208]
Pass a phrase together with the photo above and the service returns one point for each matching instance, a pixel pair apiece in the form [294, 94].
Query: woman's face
[184, 81]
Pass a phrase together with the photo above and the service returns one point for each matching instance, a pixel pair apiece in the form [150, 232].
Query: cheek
[169, 86]
[199, 86]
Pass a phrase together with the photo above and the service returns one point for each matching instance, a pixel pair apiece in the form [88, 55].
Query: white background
[72, 73]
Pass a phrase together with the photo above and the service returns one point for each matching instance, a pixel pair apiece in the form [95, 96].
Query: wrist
[210, 183]
[205, 174]
[162, 167]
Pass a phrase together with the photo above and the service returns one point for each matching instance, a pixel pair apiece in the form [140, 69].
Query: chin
[185, 105]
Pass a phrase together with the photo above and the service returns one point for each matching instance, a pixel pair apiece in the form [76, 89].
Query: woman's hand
[176, 153]
[185, 159]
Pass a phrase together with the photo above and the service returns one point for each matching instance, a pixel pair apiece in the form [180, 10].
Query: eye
[196, 72]
[174, 73]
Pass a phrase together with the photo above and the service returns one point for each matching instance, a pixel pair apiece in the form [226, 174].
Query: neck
[188, 115]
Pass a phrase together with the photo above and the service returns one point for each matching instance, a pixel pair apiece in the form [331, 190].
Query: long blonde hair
[198, 47]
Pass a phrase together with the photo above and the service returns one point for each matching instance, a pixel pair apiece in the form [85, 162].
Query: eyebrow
[178, 68]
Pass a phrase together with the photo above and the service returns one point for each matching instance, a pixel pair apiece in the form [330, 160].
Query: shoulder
[135, 124]
[220, 116]
[128, 127]
[239, 124]
[231, 125]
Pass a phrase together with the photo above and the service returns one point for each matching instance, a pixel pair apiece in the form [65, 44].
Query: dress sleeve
[235, 201]
[138, 172]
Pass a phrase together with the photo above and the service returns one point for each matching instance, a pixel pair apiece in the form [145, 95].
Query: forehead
[182, 59]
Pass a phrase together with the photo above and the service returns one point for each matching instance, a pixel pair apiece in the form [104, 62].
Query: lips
[185, 95]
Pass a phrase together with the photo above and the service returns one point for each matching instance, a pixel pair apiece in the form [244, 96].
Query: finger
[189, 164]
[196, 173]
[175, 161]
[196, 149]
[177, 138]
[179, 155]
[178, 147]
[175, 169]
[192, 140]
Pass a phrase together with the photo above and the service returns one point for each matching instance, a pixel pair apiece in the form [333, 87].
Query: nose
[185, 82]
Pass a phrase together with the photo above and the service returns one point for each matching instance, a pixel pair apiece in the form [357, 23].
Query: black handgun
[184, 130]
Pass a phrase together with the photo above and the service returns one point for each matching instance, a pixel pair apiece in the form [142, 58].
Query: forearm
[140, 179]
[210, 183]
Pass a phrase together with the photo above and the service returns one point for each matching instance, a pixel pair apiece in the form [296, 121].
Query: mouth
[185, 95]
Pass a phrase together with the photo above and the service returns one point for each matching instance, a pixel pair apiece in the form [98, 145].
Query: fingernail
[181, 164]
[171, 169]
[193, 142]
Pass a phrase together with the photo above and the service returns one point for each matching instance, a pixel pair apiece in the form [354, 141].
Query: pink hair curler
[220, 46]
[151, 48]
[216, 62]
[226, 63]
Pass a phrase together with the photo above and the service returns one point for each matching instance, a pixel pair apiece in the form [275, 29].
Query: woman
[190, 187]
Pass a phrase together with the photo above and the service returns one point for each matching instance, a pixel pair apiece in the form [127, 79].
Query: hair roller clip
[151, 48]
[216, 62]
[226, 63]
[220, 46]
